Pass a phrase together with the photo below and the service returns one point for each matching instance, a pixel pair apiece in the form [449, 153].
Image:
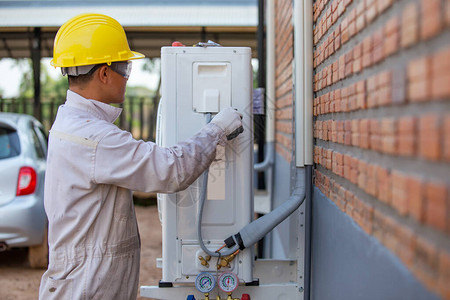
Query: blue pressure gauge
[205, 282]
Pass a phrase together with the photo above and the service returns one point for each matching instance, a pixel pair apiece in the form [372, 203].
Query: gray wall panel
[349, 264]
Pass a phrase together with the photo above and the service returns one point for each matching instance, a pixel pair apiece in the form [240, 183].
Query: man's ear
[103, 74]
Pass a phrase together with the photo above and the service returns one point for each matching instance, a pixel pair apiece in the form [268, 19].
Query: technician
[92, 167]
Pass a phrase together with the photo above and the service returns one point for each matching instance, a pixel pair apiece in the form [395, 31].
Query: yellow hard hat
[89, 39]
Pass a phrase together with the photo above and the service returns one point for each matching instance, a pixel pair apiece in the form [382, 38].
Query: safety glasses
[122, 68]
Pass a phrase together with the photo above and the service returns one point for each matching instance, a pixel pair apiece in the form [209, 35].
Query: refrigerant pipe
[253, 232]
[200, 212]
[257, 229]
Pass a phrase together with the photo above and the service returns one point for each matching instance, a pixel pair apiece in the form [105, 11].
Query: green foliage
[138, 91]
[151, 65]
[50, 87]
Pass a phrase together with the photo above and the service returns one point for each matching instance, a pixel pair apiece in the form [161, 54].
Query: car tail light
[27, 181]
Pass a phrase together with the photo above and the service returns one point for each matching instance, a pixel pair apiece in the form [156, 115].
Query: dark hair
[83, 79]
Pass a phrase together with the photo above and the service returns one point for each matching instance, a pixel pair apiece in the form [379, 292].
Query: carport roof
[149, 24]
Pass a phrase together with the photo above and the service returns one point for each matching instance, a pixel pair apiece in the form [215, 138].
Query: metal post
[308, 230]
[131, 114]
[36, 59]
[141, 118]
[260, 119]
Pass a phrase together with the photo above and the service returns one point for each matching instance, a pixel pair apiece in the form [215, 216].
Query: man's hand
[230, 120]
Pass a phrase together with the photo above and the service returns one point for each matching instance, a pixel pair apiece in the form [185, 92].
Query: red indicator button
[178, 44]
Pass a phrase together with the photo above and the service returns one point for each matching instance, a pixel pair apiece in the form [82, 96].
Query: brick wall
[382, 124]
[284, 55]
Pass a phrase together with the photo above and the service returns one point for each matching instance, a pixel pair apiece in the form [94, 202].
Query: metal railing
[138, 115]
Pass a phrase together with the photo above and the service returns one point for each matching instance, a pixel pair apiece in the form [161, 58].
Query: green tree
[50, 88]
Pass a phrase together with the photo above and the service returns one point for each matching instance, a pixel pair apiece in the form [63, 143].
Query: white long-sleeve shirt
[92, 167]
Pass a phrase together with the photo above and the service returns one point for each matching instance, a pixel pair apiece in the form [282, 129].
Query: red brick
[352, 23]
[372, 93]
[348, 63]
[378, 45]
[329, 78]
[361, 95]
[378, 225]
[436, 205]
[384, 185]
[334, 17]
[347, 2]
[419, 68]
[329, 160]
[366, 222]
[334, 163]
[406, 136]
[447, 12]
[362, 174]
[342, 200]
[316, 155]
[329, 20]
[431, 18]
[341, 8]
[333, 131]
[391, 32]
[360, 22]
[406, 243]
[356, 212]
[364, 141]
[339, 158]
[341, 132]
[350, 204]
[426, 262]
[371, 183]
[342, 67]
[384, 96]
[440, 75]
[430, 137]
[334, 5]
[360, 8]
[446, 138]
[419, 90]
[372, 83]
[388, 135]
[348, 133]
[375, 137]
[337, 97]
[354, 171]
[371, 11]
[344, 29]
[399, 192]
[410, 25]
[357, 58]
[347, 167]
[390, 234]
[337, 41]
[382, 5]
[418, 74]
[360, 86]
[384, 78]
[355, 133]
[367, 51]
[415, 190]
[444, 274]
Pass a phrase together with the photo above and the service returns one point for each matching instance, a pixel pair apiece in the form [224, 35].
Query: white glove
[230, 120]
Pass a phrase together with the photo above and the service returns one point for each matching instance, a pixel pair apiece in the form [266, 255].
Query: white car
[23, 151]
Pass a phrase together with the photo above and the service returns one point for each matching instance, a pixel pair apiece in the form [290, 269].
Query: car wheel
[38, 255]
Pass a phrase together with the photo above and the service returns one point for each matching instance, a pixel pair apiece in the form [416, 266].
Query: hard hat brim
[136, 55]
